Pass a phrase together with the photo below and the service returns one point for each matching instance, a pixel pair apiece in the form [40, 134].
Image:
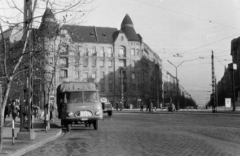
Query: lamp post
[177, 81]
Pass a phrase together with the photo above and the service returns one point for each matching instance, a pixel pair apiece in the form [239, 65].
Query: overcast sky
[190, 28]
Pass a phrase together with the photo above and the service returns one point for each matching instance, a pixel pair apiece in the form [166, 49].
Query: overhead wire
[177, 12]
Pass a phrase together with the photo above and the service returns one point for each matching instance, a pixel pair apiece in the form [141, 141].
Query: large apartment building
[124, 67]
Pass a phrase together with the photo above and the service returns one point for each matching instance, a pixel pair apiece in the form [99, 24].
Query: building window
[63, 61]
[85, 62]
[110, 63]
[63, 73]
[133, 52]
[94, 75]
[77, 74]
[65, 49]
[84, 52]
[109, 52]
[94, 51]
[94, 62]
[101, 62]
[89, 51]
[133, 86]
[138, 52]
[77, 58]
[102, 75]
[133, 63]
[101, 51]
[122, 52]
[102, 87]
[122, 63]
[133, 75]
[85, 76]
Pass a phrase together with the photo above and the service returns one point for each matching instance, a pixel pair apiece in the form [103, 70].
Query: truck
[106, 106]
[79, 102]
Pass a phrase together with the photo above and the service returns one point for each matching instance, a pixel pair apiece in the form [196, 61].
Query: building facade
[124, 67]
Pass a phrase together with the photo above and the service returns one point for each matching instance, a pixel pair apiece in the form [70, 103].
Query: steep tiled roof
[128, 29]
[91, 34]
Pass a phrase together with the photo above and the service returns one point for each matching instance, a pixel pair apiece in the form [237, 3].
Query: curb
[37, 145]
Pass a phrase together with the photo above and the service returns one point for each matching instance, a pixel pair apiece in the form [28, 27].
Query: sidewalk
[21, 147]
[219, 111]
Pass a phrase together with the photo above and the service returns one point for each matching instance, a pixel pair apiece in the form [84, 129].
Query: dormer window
[92, 34]
[104, 35]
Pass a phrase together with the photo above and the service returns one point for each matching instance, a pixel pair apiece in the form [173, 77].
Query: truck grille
[83, 114]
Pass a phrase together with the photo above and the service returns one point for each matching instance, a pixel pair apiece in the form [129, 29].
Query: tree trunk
[1, 131]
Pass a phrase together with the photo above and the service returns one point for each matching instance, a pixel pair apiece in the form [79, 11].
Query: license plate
[84, 119]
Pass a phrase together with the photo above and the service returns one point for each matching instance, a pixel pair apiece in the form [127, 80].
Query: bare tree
[69, 10]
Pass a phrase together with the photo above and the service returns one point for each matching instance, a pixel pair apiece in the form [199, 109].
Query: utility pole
[216, 94]
[28, 134]
[213, 85]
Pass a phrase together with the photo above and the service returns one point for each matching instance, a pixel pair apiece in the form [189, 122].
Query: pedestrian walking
[9, 109]
[120, 106]
[14, 110]
[151, 107]
[5, 113]
[52, 108]
[141, 107]
[117, 106]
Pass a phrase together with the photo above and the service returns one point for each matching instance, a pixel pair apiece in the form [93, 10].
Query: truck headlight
[97, 113]
[70, 114]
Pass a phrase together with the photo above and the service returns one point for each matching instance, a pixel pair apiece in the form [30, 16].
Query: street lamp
[177, 81]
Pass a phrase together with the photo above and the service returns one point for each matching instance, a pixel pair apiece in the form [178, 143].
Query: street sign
[227, 102]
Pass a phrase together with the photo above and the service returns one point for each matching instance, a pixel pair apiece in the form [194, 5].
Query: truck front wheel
[109, 113]
[69, 126]
[95, 124]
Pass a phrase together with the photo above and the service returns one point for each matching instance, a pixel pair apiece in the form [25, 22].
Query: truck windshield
[75, 97]
[91, 96]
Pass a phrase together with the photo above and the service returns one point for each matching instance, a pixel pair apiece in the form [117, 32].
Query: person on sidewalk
[14, 110]
[9, 109]
[117, 106]
[141, 107]
[5, 113]
[52, 108]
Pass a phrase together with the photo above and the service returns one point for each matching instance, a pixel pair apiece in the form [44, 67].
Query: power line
[177, 12]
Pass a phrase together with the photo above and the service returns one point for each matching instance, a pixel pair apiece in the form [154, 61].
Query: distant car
[171, 107]
[106, 106]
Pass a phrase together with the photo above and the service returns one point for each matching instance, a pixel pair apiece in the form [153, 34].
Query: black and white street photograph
[119, 78]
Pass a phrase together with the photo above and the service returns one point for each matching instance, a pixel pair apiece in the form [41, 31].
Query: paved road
[161, 134]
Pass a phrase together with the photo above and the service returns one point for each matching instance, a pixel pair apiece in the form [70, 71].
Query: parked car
[171, 107]
[106, 106]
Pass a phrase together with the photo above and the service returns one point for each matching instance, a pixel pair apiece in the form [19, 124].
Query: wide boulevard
[161, 133]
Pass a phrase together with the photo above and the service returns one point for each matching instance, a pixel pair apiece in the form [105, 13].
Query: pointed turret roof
[128, 28]
[48, 14]
[49, 24]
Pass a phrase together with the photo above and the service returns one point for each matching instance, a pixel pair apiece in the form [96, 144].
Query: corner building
[123, 66]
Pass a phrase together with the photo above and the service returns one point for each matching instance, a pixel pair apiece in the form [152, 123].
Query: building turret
[128, 28]
[49, 25]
